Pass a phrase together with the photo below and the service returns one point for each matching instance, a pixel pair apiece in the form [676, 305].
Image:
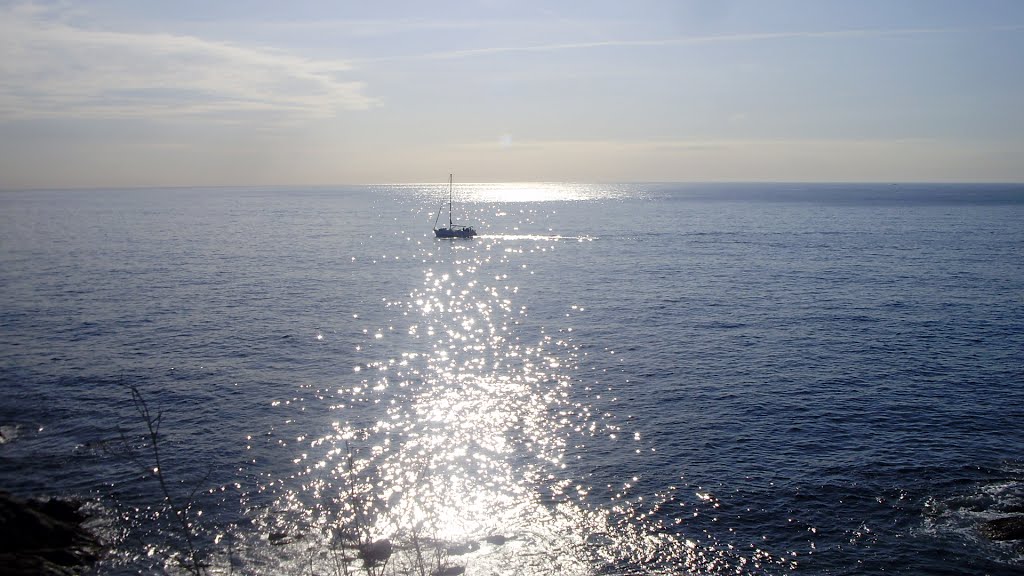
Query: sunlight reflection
[532, 192]
[536, 237]
[452, 442]
[521, 192]
[465, 438]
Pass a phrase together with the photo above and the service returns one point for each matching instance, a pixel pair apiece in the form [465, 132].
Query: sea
[610, 379]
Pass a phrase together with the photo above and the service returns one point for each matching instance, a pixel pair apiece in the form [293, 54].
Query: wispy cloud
[694, 40]
[363, 28]
[49, 68]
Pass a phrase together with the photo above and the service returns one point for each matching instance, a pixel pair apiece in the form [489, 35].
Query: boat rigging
[453, 230]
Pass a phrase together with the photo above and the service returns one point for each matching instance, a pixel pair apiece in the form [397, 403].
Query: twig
[153, 427]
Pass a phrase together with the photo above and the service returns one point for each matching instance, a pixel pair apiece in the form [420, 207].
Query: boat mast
[449, 201]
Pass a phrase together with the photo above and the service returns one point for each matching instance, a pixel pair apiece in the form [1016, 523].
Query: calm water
[626, 379]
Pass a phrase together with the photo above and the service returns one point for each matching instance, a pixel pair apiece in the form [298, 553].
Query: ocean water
[610, 379]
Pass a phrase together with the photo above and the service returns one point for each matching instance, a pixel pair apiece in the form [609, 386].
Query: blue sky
[127, 93]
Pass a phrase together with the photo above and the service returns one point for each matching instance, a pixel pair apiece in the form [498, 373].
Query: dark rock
[26, 565]
[279, 538]
[450, 571]
[375, 553]
[44, 537]
[496, 539]
[1009, 528]
[62, 510]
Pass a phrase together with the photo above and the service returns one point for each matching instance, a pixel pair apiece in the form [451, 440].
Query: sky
[123, 93]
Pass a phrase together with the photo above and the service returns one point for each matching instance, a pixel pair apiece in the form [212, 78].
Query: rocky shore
[47, 538]
[1003, 529]
[44, 537]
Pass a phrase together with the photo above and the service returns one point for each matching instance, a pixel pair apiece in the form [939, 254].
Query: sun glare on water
[452, 437]
[538, 192]
[501, 192]
[445, 441]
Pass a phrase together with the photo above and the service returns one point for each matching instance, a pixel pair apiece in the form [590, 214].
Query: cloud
[693, 40]
[363, 28]
[51, 69]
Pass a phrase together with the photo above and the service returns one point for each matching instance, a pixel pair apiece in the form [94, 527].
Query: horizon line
[153, 187]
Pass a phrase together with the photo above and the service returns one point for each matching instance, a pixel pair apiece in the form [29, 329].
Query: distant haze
[114, 93]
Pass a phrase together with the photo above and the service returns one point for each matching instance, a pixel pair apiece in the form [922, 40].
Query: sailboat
[453, 230]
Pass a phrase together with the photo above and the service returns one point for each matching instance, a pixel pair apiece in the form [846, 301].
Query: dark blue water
[619, 379]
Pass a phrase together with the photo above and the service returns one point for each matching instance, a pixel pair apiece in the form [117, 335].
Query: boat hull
[455, 232]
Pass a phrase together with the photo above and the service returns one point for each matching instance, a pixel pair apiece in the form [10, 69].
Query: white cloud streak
[692, 40]
[50, 69]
